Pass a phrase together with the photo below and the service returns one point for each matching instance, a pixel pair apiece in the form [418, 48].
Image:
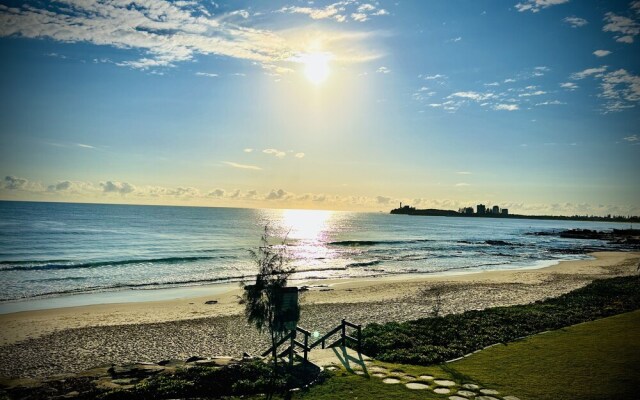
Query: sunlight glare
[316, 67]
[306, 224]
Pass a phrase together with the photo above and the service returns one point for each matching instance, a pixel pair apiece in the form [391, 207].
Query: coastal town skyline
[345, 105]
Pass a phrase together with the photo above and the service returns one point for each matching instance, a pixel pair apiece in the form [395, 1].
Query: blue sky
[354, 105]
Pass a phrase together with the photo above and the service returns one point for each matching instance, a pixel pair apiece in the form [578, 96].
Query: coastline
[74, 338]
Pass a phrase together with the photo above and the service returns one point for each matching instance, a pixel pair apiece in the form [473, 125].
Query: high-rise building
[505, 211]
[481, 209]
[496, 210]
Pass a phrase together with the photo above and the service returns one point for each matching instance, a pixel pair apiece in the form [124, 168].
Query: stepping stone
[445, 383]
[391, 380]
[471, 386]
[379, 375]
[457, 398]
[442, 390]
[417, 386]
[510, 398]
[486, 398]
[466, 393]
[378, 369]
[426, 377]
[489, 391]
[410, 377]
[359, 372]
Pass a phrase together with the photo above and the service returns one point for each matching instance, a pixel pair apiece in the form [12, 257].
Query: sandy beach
[67, 340]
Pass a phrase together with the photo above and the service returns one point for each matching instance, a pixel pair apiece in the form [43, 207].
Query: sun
[316, 67]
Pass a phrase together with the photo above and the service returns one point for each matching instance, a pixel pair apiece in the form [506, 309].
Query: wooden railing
[290, 351]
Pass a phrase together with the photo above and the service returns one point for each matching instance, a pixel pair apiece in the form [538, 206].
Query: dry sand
[47, 342]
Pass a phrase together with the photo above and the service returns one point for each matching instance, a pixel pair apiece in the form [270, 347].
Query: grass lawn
[593, 360]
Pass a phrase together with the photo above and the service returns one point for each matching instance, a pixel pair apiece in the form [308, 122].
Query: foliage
[433, 340]
[263, 298]
[246, 378]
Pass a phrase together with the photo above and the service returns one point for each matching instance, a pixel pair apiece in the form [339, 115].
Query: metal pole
[293, 338]
[344, 333]
[306, 345]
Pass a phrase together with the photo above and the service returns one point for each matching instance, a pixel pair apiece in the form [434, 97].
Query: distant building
[505, 211]
[496, 210]
[468, 210]
[481, 209]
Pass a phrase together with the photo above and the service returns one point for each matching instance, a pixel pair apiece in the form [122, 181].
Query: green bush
[434, 340]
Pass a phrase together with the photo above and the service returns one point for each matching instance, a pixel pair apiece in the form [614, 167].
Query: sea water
[53, 250]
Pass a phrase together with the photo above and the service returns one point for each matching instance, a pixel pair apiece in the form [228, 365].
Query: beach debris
[416, 386]
[211, 302]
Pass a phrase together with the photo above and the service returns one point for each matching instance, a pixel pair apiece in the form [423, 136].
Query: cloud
[338, 11]
[462, 184]
[433, 77]
[550, 103]
[216, 193]
[601, 53]
[60, 186]
[299, 155]
[536, 5]
[85, 146]
[492, 84]
[164, 32]
[569, 85]
[117, 187]
[383, 199]
[463, 173]
[241, 166]
[529, 94]
[383, 70]
[207, 74]
[248, 150]
[455, 40]
[626, 29]
[509, 80]
[506, 107]
[621, 89]
[632, 139]
[575, 22]
[275, 152]
[278, 194]
[14, 183]
[472, 95]
[588, 72]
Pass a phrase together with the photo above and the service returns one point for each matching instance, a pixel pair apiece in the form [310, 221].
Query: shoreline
[149, 295]
[76, 338]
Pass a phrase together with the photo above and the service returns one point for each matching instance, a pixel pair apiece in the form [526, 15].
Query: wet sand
[67, 340]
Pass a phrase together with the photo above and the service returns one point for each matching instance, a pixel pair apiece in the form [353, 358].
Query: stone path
[332, 359]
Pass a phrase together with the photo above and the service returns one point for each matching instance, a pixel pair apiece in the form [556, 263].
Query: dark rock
[211, 302]
[194, 359]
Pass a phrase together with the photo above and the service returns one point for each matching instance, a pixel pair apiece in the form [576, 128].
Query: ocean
[60, 250]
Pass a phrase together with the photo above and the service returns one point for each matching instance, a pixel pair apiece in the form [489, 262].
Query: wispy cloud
[462, 184]
[625, 29]
[506, 107]
[550, 103]
[166, 32]
[463, 173]
[575, 22]
[536, 5]
[207, 74]
[275, 152]
[632, 139]
[299, 155]
[383, 70]
[241, 166]
[339, 11]
[601, 53]
[85, 146]
[248, 150]
[472, 95]
[589, 72]
[569, 85]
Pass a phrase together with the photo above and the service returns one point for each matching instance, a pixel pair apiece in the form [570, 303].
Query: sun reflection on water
[307, 225]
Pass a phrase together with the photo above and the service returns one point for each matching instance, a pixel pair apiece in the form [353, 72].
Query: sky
[350, 105]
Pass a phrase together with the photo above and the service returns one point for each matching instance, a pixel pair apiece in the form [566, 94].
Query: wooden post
[359, 338]
[293, 338]
[344, 333]
[306, 345]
